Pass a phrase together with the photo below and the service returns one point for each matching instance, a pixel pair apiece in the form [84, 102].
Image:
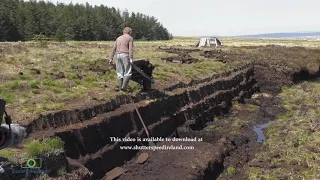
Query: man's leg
[119, 70]
[127, 72]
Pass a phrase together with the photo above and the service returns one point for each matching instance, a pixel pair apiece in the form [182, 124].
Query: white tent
[208, 42]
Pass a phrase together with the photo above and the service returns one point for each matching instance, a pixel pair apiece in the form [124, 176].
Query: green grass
[272, 130]
[52, 106]
[231, 171]
[294, 137]
[72, 76]
[239, 123]
[36, 147]
[7, 153]
[215, 118]
[234, 103]
[212, 127]
[32, 149]
[91, 78]
[8, 97]
[15, 85]
[252, 108]
[24, 77]
[61, 57]
[36, 91]
[33, 72]
[34, 84]
[53, 83]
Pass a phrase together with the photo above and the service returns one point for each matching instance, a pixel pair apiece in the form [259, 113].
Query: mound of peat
[272, 76]
[219, 55]
[179, 51]
[183, 59]
[183, 55]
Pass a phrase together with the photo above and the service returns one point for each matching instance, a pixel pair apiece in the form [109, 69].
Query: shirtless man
[123, 49]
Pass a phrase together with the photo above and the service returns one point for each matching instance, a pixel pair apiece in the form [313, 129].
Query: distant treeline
[22, 21]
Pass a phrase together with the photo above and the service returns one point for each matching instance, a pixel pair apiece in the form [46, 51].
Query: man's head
[127, 30]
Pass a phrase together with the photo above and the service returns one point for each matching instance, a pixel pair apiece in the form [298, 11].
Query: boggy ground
[292, 148]
[229, 147]
[228, 144]
[236, 159]
[270, 64]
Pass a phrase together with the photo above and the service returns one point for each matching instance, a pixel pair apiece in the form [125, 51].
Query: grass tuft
[252, 108]
[231, 171]
[35, 147]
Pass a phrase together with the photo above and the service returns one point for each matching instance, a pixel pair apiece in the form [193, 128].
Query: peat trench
[201, 109]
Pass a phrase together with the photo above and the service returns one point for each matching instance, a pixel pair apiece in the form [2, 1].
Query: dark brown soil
[183, 55]
[175, 164]
[267, 110]
[179, 51]
[80, 173]
[224, 145]
[240, 135]
[183, 59]
[219, 55]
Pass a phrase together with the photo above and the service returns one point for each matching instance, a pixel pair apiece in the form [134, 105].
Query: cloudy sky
[224, 17]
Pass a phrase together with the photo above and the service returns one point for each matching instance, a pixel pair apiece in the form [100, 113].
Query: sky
[223, 17]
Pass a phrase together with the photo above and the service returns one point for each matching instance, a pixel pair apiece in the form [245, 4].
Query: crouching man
[123, 49]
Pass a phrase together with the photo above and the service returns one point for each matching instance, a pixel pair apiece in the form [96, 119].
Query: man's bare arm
[113, 51]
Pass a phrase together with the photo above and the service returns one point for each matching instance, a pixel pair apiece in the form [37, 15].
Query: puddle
[259, 130]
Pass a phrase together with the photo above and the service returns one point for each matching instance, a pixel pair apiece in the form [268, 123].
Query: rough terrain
[218, 108]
